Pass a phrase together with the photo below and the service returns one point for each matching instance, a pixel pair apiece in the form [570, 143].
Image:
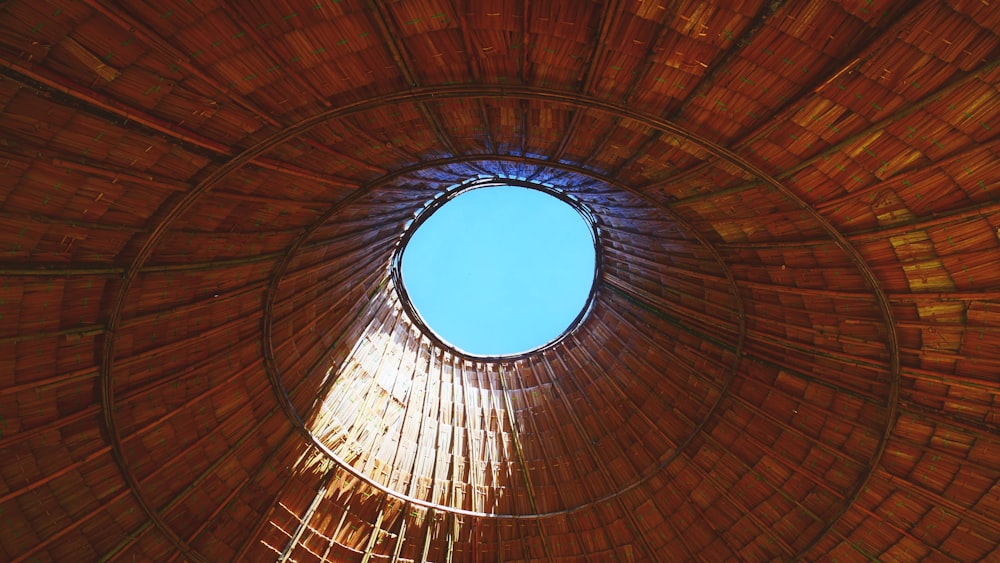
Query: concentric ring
[142, 256]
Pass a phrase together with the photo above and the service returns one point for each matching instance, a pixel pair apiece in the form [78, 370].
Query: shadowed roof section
[792, 349]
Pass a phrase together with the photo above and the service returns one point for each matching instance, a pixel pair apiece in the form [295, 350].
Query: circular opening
[499, 270]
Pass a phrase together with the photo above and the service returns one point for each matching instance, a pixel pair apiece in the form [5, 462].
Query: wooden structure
[793, 353]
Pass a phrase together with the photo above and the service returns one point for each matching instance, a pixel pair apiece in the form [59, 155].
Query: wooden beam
[428, 527]
[340, 525]
[596, 456]
[519, 450]
[609, 16]
[324, 485]
[373, 537]
[173, 54]
[389, 38]
[31, 75]
[401, 535]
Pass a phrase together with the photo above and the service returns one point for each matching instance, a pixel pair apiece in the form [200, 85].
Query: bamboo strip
[80, 520]
[316, 413]
[900, 528]
[242, 18]
[987, 525]
[383, 403]
[890, 183]
[685, 328]
[589, 360]
[881, 125]
[594, 454]
[249, 433]
[453, 448]
[420, 418]
[340, 526]
[840, 357]
[470, 445]
[400, 536]
[747, 511]
[171, 53]
[304, 523]
[297, 172]
[975, 211]
[368, 395]
[264, 518]
[429, 516]
[683, 272]
[263, 465]
[546, 455]
[389, 39]
[339, 155]
[621, 422]
[178, 186]
[374, 533]
[674, 359]
[36, 218]
[488, 414]
[16, 70]
[817, 480]
[608, 18]
[691, 320]
[869, 391]
[148, 427]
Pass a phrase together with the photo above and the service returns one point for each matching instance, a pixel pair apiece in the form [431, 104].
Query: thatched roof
[793, 350]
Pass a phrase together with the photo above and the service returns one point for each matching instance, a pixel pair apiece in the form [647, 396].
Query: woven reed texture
[793, 350]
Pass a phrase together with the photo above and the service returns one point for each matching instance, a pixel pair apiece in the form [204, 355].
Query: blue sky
[500, 270]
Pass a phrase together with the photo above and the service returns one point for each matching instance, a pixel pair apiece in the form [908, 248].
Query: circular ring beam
[298, 419]
[471, 92]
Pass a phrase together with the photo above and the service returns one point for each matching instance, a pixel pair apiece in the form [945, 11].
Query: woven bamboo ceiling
[793, 350]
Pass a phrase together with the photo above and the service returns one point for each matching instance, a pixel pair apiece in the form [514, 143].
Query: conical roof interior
[792, 349]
